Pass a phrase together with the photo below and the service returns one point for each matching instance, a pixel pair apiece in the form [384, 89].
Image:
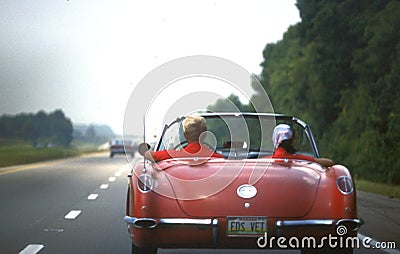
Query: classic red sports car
[248, 199]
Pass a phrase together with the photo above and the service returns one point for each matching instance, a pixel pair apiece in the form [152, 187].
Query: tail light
[345, 184]
[145, 183]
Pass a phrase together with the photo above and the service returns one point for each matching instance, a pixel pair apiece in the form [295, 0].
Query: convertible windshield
[244, 136]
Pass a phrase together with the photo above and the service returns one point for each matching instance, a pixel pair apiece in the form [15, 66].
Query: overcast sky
[85, 56]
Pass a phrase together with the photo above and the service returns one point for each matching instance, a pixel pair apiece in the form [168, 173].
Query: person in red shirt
[194, 130]
[283, 137]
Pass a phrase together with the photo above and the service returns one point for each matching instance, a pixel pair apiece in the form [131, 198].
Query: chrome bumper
[149, 223]
[152, 223]
[350, 224]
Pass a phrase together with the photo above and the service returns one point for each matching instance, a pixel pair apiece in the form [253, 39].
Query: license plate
[246, 226]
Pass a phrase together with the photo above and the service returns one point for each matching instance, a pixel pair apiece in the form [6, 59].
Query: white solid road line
[32, 249]
[72, 214]
[92, 196]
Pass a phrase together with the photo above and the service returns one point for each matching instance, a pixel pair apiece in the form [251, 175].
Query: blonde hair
[193, 127]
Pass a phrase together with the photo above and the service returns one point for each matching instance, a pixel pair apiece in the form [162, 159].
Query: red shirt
[280, 152]
[191, 150]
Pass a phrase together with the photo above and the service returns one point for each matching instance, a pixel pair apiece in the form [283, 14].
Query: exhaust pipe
[141, 222]
[145, 223]
[350, 224]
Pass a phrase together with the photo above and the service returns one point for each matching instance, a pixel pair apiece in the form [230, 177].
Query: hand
[324, 162]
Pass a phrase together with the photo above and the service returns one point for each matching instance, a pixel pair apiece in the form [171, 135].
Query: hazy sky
[85, 56]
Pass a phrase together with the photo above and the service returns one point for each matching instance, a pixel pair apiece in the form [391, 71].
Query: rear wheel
[137, 250]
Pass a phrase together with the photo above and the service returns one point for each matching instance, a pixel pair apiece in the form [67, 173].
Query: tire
[127, 202]
[137, 250]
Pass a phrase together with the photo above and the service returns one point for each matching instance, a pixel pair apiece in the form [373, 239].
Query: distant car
[236, 201]
[119, 146]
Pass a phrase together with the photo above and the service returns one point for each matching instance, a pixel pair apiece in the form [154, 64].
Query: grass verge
[22, 155]
[392, 191]
[19, 152]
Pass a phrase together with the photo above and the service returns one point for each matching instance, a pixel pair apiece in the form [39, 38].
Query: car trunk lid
[283, 188]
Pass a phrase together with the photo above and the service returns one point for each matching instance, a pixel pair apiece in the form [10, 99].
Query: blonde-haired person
[193, 127]
[194, 130]
[282, 137]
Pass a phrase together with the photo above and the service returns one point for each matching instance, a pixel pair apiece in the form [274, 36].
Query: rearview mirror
[142, 148]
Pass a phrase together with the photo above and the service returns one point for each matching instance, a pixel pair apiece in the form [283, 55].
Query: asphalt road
[77, 205]
[35, 201]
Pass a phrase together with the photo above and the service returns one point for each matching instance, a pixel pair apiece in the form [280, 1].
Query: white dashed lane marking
[32, 249]
[72, 214]
[124, 168]
[92, 196]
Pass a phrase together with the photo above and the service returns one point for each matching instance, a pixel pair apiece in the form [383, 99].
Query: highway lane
[34, 204]
[35, 201]
[382, 218]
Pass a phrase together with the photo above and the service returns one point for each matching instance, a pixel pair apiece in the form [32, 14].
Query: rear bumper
[173, 231]
[117, 150]
[350, 224]
[211, 232]
[152, 223]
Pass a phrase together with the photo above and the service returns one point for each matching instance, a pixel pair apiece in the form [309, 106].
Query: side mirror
[142, 148]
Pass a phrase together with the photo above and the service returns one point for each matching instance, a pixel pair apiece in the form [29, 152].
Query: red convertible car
[248, 199]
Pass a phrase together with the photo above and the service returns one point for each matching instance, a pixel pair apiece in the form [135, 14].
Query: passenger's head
[281, 133]
[193, 127]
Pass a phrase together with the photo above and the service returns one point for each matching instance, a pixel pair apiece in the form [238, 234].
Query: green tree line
[339, 70]
[40, 129]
